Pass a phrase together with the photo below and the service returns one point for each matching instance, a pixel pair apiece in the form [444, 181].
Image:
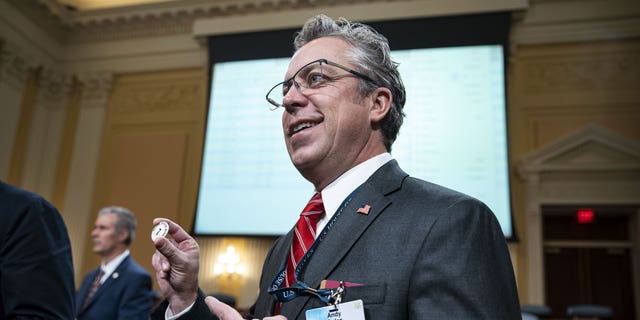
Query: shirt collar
[112, 265]
[338, 190]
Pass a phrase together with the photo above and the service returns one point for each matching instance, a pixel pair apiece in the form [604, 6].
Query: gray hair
[125, 221]
[371, 55]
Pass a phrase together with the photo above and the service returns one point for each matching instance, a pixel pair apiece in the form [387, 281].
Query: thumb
[222, 310]
[165, 247]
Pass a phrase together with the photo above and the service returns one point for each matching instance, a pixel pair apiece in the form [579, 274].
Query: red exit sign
[584, 216]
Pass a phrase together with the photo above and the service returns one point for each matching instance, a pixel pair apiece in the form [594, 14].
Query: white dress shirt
[110, 267]
[337, 191]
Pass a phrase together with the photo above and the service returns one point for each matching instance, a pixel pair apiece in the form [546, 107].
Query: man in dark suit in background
[407, 248]
[36, 268]
[119, 288]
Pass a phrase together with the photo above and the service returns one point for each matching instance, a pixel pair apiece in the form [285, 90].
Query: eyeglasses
[312, 75]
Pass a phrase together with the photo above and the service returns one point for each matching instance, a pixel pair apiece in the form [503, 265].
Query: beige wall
[150, 151]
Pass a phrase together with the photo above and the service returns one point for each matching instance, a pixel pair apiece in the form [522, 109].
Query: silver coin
[159, 230]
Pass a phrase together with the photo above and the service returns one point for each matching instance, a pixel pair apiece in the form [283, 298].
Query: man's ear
[122, 236]
[381, 104]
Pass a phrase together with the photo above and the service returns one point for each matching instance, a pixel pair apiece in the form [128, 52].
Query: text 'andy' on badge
[159, 230]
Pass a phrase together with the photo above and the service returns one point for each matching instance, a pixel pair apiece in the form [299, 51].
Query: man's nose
[294, 97]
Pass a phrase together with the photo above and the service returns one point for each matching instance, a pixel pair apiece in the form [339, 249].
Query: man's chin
[308, 168]
[302, 163]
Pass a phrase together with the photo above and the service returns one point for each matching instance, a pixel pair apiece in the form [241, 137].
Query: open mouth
[301, 126]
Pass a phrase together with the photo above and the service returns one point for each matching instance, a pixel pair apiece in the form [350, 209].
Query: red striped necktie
[304, 235]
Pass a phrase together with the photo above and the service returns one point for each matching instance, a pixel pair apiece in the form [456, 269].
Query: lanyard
[300, 288]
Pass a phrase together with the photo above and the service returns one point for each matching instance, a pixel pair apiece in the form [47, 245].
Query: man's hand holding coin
[176, 262]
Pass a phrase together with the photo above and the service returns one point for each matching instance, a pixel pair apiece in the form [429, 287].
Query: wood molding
[65, 154]
[27, 110]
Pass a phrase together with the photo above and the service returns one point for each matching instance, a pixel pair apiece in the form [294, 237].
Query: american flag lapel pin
[364, 209]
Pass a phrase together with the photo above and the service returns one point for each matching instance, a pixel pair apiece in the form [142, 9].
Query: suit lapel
[349, 227]
[345, 232]
[111, 280]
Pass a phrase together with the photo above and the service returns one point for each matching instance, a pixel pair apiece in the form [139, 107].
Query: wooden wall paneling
[554, 91]
[145, 171]
[63, 165]
[252, 252]
[27, 110]
[563, 87]
[151, 152]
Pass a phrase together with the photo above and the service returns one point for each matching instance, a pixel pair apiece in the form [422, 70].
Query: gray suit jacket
[422, 252]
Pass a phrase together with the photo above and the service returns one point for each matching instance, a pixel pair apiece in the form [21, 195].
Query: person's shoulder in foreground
[36, 276]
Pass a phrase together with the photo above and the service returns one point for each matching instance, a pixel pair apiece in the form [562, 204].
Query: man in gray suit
[400, 247]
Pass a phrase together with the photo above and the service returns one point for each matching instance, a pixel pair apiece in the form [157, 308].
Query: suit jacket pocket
[370, 294]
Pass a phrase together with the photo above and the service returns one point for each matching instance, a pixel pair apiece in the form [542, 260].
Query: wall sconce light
[228, 265]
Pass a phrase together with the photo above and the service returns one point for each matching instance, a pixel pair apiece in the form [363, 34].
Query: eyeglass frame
[298, 85]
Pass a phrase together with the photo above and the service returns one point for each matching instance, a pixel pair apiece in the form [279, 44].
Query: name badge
[352, 310]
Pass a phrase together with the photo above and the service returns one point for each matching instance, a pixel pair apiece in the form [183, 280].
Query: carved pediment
[593, 148]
